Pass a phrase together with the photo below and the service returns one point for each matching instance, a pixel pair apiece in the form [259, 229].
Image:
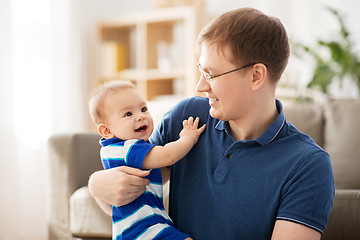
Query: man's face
[230, 95]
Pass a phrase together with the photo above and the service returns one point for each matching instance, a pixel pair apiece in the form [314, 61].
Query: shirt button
[228, 156]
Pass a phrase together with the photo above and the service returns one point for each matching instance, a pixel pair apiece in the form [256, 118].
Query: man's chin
[214, 114]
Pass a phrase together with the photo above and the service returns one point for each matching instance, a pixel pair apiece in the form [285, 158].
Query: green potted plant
[341, 61]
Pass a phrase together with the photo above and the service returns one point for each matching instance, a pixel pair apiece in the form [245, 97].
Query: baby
[125, 124]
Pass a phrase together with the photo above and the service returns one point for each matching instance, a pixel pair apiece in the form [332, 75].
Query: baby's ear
[104, 131]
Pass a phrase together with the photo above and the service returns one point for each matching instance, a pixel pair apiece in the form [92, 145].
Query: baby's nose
[140, 117]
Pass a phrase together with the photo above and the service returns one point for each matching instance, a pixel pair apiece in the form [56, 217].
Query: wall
[23, 170]
[8, 172]
[60, 40]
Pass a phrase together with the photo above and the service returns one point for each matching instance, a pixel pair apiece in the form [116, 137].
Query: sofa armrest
[72, 159]
[344, 220]
[87, 219]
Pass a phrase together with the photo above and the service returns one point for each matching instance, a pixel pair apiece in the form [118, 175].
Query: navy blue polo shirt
[227, 189]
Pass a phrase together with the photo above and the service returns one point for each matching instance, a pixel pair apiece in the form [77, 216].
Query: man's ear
[259, 76]
[104, 131]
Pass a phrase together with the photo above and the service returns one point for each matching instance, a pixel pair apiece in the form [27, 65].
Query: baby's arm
[162, 156]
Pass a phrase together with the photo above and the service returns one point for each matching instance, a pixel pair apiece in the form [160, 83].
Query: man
[252, 175]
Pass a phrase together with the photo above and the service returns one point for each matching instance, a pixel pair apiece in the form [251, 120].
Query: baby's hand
[190, 129]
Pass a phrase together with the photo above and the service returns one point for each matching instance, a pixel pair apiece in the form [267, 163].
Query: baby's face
[128, 115]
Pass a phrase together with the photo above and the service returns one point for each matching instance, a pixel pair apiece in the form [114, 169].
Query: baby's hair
[96, 103]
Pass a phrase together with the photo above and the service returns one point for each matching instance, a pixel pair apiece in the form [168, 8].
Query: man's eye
[144, 109]
[207, 74]
[128, 114]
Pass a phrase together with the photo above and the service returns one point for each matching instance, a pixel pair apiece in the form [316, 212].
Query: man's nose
[203, 85]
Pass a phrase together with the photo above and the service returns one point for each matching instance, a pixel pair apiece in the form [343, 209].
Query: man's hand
[190, 129]
[118, 186]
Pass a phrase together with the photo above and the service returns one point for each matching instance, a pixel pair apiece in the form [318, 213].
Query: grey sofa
[334, 125]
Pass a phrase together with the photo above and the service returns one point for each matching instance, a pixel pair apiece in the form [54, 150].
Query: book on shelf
[113, 58]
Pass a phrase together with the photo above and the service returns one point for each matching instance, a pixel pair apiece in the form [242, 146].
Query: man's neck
[255, 123]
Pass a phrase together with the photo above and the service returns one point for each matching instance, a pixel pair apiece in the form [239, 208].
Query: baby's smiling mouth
[141, 128]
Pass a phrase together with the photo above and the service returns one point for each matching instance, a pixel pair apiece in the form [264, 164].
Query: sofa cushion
[86, 217]
[342, 132]
[306, 117]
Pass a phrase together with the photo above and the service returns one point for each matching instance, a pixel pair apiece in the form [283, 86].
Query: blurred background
[49, 64]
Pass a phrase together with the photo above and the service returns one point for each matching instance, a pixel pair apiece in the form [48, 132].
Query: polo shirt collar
[269, 134]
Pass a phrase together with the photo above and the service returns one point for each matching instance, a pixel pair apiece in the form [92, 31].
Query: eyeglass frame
[208, 76]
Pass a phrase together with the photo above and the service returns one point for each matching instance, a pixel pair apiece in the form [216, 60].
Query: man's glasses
[208, 76]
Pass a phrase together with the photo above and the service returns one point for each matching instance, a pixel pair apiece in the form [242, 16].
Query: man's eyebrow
[207, 68]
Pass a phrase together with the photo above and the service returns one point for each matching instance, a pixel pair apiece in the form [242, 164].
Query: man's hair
[97, 102]
[252, 37]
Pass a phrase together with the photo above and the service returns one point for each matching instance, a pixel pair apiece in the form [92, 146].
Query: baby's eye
[128, 114]
[144, 109]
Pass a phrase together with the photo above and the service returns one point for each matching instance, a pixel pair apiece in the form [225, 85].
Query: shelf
[149, 74]
[157, 74]
[154, 49]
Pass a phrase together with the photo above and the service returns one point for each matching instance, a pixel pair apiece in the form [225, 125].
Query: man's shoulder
[304, 144]
[193, 101]
[197, 106]
[302, 137]
[171, 123]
